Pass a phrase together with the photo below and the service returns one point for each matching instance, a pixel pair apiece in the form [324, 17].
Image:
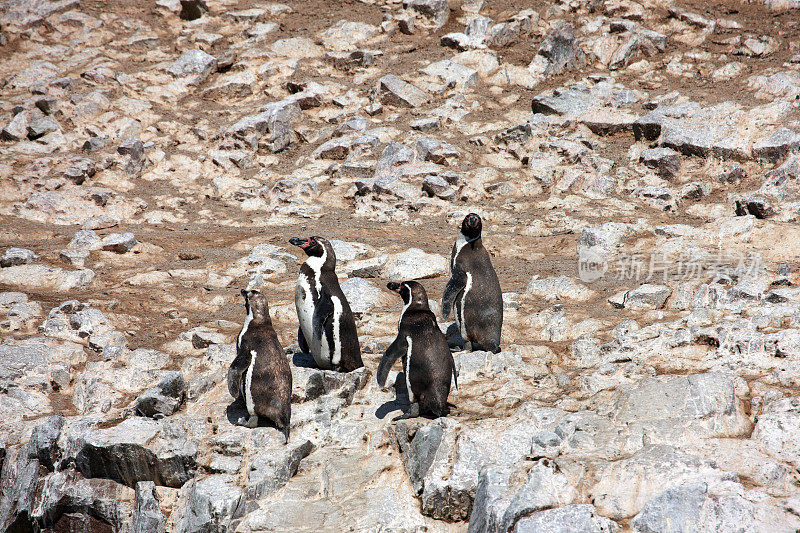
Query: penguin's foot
[251, 423]
[413, 412]
[285, 435]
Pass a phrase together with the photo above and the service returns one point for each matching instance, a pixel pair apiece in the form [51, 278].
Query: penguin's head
[471, 227]
[316, 247]
[412, 293]
[256, 303]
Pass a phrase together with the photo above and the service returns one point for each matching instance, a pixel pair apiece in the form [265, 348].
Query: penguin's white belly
[304, 303]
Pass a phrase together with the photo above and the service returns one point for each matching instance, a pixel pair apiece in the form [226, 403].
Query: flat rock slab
[43, 277]
[139, 449]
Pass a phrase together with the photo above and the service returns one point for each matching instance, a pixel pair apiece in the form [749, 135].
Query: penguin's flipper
[323, 314]
[301, 340]
[235, 380]
[458, 280]
[395, 350]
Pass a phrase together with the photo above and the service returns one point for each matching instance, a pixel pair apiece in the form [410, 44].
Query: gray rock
[163, 399]
[24, 13]
[778, 430]
[22, 357]
[147, 515]
[437, 11]
[647, 296]
[43, 444]
[396, 92]
[452, 74]
[577, 518]
[426, 124]
[212, 504]
[414, 264]
[18, 480]
[17, 129]
[776, 145]
[666, 161]
[17, 256]
[119, 243]
[758, 206]
[569, 102]
[271, 469]
[558, 52]
[193, 65]
[138, 449]
[42, 126]
[274, 121]
[689, 507]
[193, 9]
[364, 296]
[439, 187]
[86, 240]
[79, 170]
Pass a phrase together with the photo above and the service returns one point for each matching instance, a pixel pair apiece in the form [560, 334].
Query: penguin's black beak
[302, 243]
[394, 287]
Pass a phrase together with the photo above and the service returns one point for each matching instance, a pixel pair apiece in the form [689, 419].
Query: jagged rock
[777, 429]
[147, 516]
[18, 479]
[193, 9]
[17, 129]
[397, 92]
[579, 517]
[363, 296]
[43, 444]
[437, 11]
[757, 206]
[647, 296]
[163, 399]
[119, 243]
[666, 161]
[414, 264]
[626, 486]
[46, 277]
[691, 507]
[193, 65]
[777, 145]
[80, 169]
[17, 256]
[275, 119]
[41, 127]
[558, 52]
[452, 74]
[272, 469]
[212, 503]
[558, 289]
[138, 449]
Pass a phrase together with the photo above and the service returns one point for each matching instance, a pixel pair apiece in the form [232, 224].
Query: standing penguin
[427, 361]
[327, 325]
[474, 290]
[260, 372]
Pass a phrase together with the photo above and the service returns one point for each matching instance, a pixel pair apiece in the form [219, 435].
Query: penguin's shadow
[400, 398]
[304, 360]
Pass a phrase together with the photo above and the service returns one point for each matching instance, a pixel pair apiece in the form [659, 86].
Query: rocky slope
[636, 164]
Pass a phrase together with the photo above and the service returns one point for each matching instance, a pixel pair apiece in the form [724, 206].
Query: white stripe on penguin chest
[248, 384]
[407, 369]
[336, 356]
[462, 323]
[245, 326]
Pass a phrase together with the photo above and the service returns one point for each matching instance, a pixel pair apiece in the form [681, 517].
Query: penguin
[474, 290]
[260, 373]
[427, 362]
[327, 325]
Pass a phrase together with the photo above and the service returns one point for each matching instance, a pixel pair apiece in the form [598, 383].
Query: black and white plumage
[260, 373]
[473, 291]
[327, 325]
[427, 362]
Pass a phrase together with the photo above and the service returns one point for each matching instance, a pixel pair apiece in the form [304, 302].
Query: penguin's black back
[431, 366]
[271, 383]
[483, 307]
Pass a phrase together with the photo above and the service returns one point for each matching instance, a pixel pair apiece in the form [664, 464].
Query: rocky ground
[637, 167]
